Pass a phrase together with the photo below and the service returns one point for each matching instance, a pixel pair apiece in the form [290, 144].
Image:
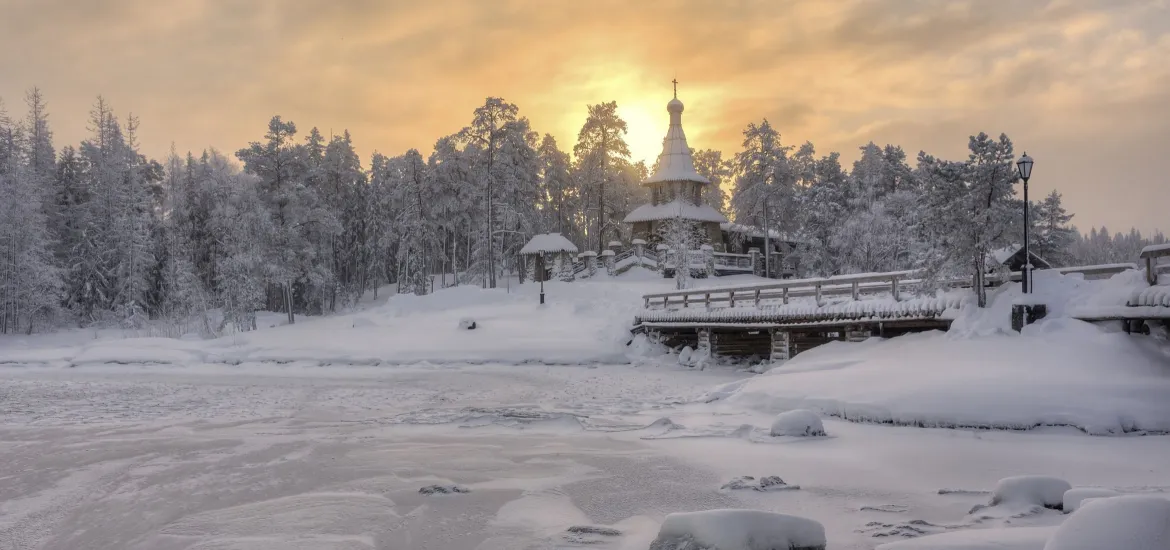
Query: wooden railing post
[856, 291]
[784, 295]
[894, 289]
[757, 297]
[707, 300]
[647, 304]
[686, 301]
[731, 298]
[818, 294]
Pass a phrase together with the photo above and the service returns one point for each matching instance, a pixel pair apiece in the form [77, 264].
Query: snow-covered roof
[675, 162]
[675, 209]
[548, 242]
[1004, 254]
[756, 232]
[1155, 250]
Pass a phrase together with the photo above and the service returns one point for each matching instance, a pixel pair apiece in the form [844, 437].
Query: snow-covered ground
[320, 435]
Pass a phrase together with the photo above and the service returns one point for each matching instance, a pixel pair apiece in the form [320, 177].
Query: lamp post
[1024, 165]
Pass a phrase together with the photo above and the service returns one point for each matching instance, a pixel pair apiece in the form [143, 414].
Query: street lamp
[1024, 165]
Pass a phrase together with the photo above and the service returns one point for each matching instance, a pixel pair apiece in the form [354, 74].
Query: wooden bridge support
[781, 340]
[704, 344]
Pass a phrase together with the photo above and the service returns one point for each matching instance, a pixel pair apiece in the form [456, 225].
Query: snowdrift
[1058, 372]
[582, 322]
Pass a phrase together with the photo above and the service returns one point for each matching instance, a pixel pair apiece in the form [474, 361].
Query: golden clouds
[397, 74]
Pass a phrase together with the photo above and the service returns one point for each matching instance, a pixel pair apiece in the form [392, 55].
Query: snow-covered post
[607, 257]
[615, 246]
[708, 259]
[639, 248]
[663, 252]
[590, 262]
[755, 252]
[563, 267]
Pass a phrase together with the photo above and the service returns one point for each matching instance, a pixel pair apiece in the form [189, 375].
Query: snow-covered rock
[1046, 491]
[1130, 522]
[1012, 538]
[738, 530]
[443, 490]
[766, 483]
[1077, 495]
[798, 423]
[467, 323]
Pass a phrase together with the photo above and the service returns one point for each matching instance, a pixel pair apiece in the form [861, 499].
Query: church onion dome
[675, 163]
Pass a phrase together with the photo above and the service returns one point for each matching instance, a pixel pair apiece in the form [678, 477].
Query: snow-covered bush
[738, 530]
[1077, 495]
[1132, 522]
[1043, 491]
[798, 423]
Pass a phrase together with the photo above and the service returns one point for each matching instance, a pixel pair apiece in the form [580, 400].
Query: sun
[645, 129]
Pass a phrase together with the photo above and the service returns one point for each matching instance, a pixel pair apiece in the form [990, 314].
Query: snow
[1132, 522]
[675, 209]
[546, 243]
[1062, 373]
[320, 434]
[738, 530]
[1154, 249]
[1030, 490]
[980, 374]
[1013, 538]
[582, 322]
[797, 423]
[1073, 498]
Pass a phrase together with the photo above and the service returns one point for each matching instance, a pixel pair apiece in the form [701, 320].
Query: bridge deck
[804, 312]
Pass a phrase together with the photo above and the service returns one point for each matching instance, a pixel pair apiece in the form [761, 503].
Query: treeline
[296, 222]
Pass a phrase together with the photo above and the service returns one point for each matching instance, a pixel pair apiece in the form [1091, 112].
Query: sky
[1082, 85]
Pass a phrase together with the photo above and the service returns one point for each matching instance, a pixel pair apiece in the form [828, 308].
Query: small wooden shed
[545, 247]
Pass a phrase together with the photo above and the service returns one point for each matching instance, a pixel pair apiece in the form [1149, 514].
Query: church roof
[675, 163]
[675, 209]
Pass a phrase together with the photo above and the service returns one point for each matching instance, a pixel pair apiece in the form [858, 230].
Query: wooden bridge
[777, 320]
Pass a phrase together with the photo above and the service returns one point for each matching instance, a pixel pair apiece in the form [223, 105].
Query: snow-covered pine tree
[30, 283]
[247, 234]
[709, 163]
[559, 192]
[518, 191]
[765, 181]
[878, 228]
[970, 209]
[415, 224]
[484, 138]
[1053, 236]
[341, 182]
[299, 272]
[601, 154]
[452, 183]
[823, 200]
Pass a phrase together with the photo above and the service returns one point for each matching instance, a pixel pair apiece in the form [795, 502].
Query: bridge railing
[893, 283]
[729, 261]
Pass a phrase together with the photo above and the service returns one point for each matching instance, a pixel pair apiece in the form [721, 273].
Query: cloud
[1060, 75]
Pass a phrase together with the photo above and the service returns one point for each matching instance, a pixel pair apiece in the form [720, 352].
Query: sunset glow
[1070, 80]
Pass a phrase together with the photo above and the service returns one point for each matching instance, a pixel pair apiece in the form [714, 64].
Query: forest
[99, 234]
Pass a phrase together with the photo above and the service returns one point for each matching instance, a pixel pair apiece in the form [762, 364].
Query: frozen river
[305, 457]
